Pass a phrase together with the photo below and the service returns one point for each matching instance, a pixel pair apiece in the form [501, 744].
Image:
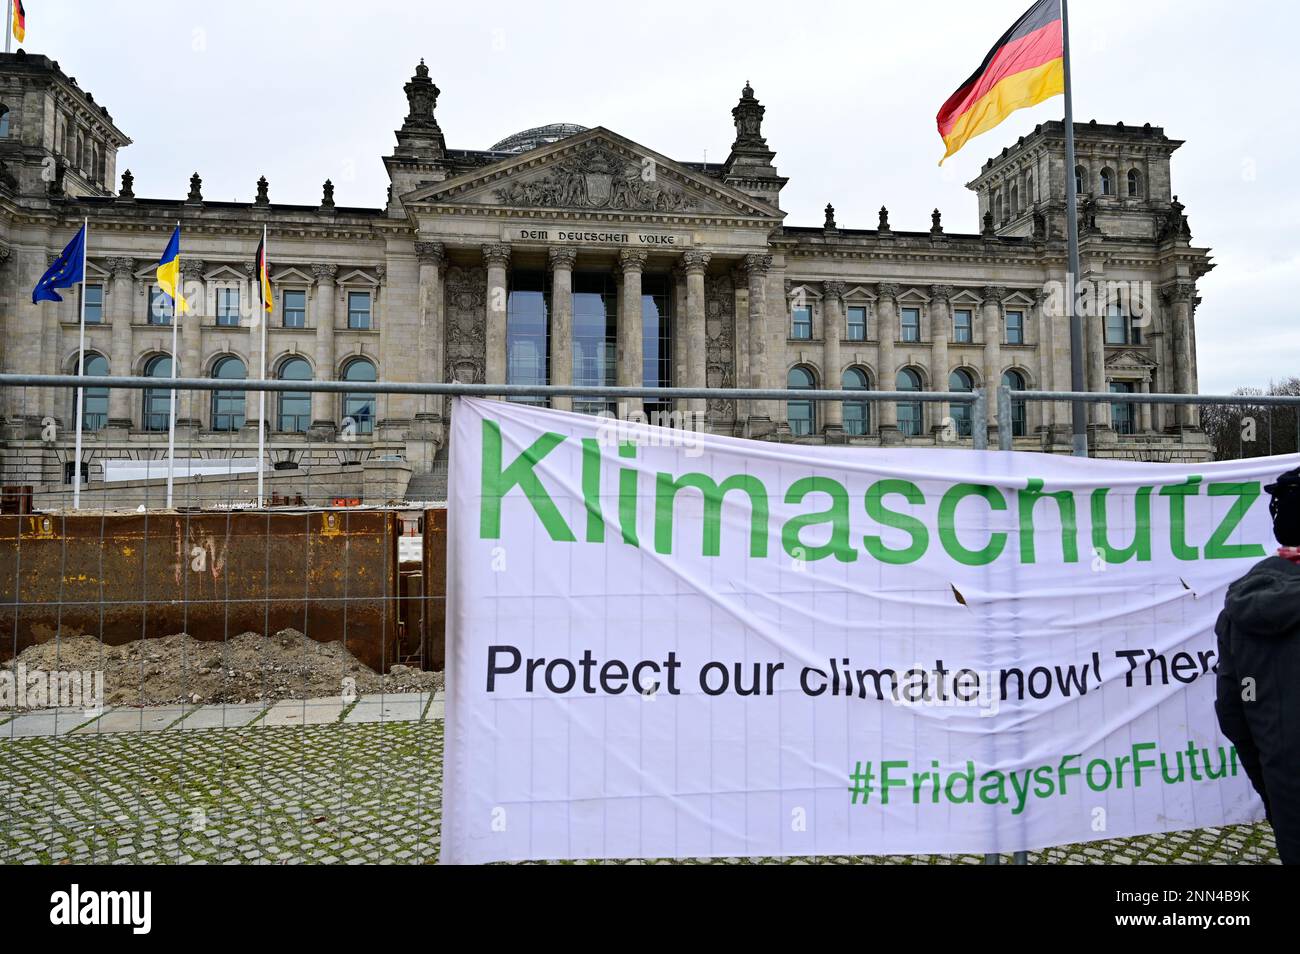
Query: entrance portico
[614, 290]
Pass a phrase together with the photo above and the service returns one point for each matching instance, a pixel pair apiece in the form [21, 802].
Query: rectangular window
[94, 304]
[1120, 329]
[1015, 327]
[160, 306]
[293, 308]
[526, 331]
[801, 323]
[359, 310]
[595, 333]
[857, 323]
[1122, 416]
[963, 327]
[911, 318]
[227, 307]
[1116, 333]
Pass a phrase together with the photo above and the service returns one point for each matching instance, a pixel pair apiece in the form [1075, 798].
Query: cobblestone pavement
[332, 793]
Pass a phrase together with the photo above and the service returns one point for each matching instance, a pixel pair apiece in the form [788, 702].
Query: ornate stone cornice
[696, 261]
[496, 253]
[120, 267]
[564, 258]
[834, 290]
[887, 290]
[325, 273]
[430, 253]
[632, 259]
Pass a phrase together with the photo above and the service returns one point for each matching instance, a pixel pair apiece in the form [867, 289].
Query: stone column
[991, 308]
[188, 410]
[1094, 333]
[756, 269]
[324, 304]
[1179, 296]
[940, 328]
[121, 297]
[695, 263]
[430, 335]
[887, 334]
[1144, 410]
[832, 329]
[631, 343]
[679, 334]
[561, 262]
[496, 256]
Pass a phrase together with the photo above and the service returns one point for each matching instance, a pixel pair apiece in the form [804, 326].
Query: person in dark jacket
[1258, 681]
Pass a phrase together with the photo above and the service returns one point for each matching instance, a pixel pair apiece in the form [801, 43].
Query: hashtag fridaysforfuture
[892, 781]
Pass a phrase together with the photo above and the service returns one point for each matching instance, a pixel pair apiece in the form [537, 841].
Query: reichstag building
[564, 254]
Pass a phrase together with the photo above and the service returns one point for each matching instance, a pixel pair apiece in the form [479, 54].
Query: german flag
[263, 276]
[20, 21]
[1024, 68]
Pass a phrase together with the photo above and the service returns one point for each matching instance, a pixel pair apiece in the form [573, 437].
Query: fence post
[1004, 418]
[979, 415]
[1005, 435]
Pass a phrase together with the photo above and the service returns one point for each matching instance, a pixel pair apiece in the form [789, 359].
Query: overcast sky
[303, 91]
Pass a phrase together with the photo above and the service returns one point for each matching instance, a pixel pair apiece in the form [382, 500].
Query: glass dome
[538, 136]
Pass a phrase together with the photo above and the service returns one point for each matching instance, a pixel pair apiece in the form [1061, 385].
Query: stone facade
[432, 287]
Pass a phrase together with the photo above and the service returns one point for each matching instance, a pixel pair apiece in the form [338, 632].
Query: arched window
[1080, 176]
[1134, 183]
[94, 406]
[4, 121]
[963, 381]
[295, 406]
[1107, 182]
[800, 414]
[359, 409]
[909, 412]
[157, 401]
[1029, 189]
[997, 207]
[93, 166]
[857, 414]
[1014, 205]
[1016, 382]
[228, 406]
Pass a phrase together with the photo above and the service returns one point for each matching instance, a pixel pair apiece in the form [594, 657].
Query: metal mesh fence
[251, 671]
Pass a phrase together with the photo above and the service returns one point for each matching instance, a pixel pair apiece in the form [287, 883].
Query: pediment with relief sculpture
[596, 171]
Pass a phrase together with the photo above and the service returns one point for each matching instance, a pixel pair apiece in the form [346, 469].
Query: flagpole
[81, 363]
[261, 395]
[171, 414]
[1078, 381]
[9, 25]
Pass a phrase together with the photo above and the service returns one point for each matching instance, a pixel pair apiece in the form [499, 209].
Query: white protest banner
[667, 644]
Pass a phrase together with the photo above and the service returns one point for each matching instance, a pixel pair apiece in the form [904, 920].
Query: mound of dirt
[247, 668]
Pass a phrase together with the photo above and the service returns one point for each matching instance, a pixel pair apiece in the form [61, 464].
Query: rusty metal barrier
[331, 575]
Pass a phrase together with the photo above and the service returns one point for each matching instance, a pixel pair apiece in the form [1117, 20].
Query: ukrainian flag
[169, 272]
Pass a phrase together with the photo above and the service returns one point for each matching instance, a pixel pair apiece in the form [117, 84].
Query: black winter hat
[1285, 507]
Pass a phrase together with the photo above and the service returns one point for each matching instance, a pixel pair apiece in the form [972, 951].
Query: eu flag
[65, 272]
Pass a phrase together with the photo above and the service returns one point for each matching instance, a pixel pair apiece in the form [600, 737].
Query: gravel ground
[246, 668]
[338, 793]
